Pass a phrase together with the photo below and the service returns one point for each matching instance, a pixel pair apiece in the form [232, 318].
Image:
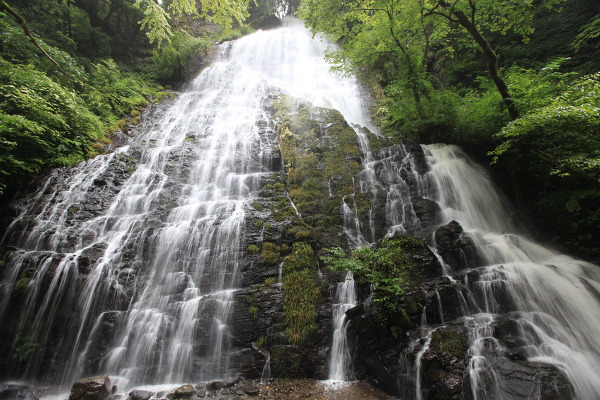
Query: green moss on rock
[21, 286]
[450, 341]
[270, 254]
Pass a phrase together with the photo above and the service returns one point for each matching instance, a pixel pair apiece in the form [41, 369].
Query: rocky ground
[98, 388]
[319, 390]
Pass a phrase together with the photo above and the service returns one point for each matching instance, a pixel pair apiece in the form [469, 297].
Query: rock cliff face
[282, 312]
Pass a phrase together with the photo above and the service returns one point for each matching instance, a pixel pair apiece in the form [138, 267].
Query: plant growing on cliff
[300, 293]
[24, 346]
[387, 267]
[270, 253]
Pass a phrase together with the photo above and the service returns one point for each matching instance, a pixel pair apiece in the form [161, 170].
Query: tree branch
[21, 21]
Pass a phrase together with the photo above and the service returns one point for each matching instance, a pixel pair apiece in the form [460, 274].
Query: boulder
[456, 248]
[94, 388]
[140, 394]
[427, 211]
[182, 392]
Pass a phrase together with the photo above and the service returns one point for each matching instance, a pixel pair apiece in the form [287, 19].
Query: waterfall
[339, 361]
[555, 297]
[139, 251]
[128, 264]
[176, 225]
[303, 72]
[552, 298]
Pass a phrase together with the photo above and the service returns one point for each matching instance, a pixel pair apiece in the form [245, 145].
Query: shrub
[270, 254]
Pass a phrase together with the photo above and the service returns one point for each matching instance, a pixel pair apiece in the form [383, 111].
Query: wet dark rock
[215, 385]
[355, 311]
[140, 394]
[94, 388]
[249, 362]
[428, 212]
[443, 300]
[457, 249]
[16, 392]
[287, 361]
[256, 310]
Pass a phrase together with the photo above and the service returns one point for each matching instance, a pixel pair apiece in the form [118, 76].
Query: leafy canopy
[157, 15]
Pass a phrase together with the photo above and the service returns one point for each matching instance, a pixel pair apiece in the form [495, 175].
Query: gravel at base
[297, 389]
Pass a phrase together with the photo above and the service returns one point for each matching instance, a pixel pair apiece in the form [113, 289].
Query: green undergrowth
[300, 293]
[54, 117]
[388, 268]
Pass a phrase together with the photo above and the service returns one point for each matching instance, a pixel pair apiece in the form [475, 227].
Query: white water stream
[176, 227]
[555, 299]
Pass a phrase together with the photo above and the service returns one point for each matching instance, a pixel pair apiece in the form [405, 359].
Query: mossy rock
[270, 254]
[21, 286]
[286, 361]
[451, 341]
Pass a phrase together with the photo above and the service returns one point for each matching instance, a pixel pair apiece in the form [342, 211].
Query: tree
[376, 32]
[21, 21]
[405, 20]
[480, 16]
[158, 14]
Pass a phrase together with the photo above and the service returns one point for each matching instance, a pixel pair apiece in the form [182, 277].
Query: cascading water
[139, 284]
[128, 264]
[553, 299]
[205, 158]
[305, 74]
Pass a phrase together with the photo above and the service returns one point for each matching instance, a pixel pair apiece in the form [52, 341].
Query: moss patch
[321, 158]
[449, 341]
[270, 254]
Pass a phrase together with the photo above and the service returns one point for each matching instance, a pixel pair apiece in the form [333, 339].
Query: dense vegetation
[74, 72]
[515, 83]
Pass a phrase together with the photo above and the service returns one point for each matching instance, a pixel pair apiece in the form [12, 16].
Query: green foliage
[253, 249]
[557, 148]
[173, 62]
[113, 93]
[24, 346]
[42, 124]
[156, 17]
[270, 281]
[260, 342]
[155, 21]
[270, 254]
[589, 35]
[253, 309]
[54, 117]
[301, 258]
[300, 294]
[386, 267]
[236, 33]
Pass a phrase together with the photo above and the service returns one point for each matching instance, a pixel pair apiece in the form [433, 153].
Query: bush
[556, 148]
[172, 63]
[43, 125]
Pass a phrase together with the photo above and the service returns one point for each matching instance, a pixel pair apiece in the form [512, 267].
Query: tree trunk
[491, 59]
